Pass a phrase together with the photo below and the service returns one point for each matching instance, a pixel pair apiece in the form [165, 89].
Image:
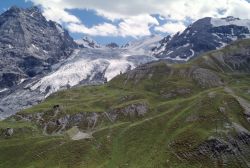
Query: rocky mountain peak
[15, 11]
[14, 8]
[204, 35]
[87, 42]
[29, 44]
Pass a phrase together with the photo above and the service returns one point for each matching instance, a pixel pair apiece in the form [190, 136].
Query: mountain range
[175, 101]
[38, 57]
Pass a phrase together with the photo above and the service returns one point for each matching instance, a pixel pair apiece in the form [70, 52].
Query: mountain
[203, 35]
[29, 45]
[87, 42]
[194, 114]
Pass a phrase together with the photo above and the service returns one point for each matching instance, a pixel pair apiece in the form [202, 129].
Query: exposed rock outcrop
[56, 121]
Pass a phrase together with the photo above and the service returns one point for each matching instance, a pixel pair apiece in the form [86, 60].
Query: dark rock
[112, 45]
[6, 132]
[56, 121]
[206, 78]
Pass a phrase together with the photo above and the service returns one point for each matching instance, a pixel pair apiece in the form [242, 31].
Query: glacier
[90, 65]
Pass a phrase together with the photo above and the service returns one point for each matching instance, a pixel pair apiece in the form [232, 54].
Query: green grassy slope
[158, 115]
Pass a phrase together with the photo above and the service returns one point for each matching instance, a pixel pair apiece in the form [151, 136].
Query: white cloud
[130, 12]
[171, 28]
[239, 8]
[60, 15]
[105, 29]
[137, 26]
[174, 9]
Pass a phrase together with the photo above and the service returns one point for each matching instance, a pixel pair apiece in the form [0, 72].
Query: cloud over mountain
[136, 18]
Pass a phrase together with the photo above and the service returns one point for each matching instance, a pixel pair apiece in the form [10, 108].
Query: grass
[154, 141]
[169, 135]
[82, 99]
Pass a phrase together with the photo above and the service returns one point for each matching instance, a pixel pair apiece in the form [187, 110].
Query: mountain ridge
[203, 35]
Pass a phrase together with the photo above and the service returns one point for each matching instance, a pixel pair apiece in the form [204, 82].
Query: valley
[159, 114]
[178, 101]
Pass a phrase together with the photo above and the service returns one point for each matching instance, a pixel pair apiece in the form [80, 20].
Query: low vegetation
[158, 115]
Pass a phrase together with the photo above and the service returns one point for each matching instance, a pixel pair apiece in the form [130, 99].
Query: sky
[121, 21]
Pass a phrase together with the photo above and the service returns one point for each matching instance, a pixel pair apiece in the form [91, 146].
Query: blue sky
[121, 21]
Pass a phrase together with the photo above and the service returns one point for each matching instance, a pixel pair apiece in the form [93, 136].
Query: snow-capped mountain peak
[203, 35]
[87, 42]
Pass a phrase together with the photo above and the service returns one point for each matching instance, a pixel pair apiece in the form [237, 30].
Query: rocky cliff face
[29, 45]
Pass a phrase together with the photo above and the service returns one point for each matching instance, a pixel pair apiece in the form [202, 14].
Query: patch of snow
[233, 38]
[21, 81]
[186, 45]
[10, 46]
[178, 58]
[222, 45]
[216, 35]
[46, 52]
[32, 14]
[160, 49]
[33, 48]
[59, 28]
[169, 52]
[3, 90]
[192, 51]
[183, 46]
[29, 85]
